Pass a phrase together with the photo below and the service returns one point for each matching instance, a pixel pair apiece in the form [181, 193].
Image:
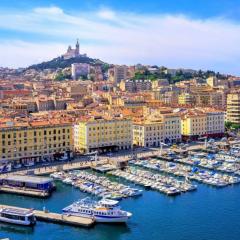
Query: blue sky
[202, 34]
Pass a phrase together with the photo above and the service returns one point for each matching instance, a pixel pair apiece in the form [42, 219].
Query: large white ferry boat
[105, 210]
[17, 216]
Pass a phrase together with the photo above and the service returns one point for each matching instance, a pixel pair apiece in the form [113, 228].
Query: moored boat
[17, 216]
[105, 210]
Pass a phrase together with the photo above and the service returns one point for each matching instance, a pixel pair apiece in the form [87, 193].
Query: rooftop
[17, 211]
[28, 179]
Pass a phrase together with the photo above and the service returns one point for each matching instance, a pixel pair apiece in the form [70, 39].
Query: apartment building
[194, 125]
[157, 129]
[35, 140]
[80, 70]
[103, 133]
[233, 108]
[186, 99]
[202, 122]
[119, 73]
[135, 85]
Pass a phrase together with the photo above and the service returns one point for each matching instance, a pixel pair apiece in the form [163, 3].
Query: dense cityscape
[103, 107]
[98, 149]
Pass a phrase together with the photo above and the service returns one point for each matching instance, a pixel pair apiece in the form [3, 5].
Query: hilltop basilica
[72, 53]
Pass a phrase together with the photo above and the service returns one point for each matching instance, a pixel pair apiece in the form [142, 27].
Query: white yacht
[106, 210]
[17, 216]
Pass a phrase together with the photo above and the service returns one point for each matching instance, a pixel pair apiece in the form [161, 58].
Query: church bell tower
[77, 48]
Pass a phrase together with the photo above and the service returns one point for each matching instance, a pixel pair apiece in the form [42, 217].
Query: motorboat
[17, 216]
[105, 210]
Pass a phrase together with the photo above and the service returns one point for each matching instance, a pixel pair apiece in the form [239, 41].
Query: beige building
[186, 99]
[212, 81]
[35, 140]
[135, 85]
[202, 122]
[194, 125]
[103, 133]
[233, 108]
[156, 129]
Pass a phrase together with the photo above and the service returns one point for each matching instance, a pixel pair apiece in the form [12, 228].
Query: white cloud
[107, 14]
[22, 54]
[171, 40]
[48, 10]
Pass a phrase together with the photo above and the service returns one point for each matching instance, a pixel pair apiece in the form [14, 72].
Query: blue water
[206, 214]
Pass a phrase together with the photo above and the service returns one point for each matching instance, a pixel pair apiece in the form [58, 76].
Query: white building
[80, 70]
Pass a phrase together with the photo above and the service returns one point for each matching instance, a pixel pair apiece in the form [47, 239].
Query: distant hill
[60, 62]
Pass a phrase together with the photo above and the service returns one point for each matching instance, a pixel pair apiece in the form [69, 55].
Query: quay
[65, 167]
[24, 192]
[58, 218]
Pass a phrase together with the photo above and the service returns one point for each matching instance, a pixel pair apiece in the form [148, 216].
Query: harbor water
[208, 213]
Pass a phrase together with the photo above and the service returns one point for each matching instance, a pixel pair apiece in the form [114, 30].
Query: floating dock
[59, 218]
[27, 185]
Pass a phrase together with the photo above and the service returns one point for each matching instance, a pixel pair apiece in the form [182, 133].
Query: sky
[197, 34]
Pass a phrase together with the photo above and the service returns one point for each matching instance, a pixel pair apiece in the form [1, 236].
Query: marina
[147, 177]
[161, 216]
[164, 184]
[188, 172]
[223, 162]
[97, 185]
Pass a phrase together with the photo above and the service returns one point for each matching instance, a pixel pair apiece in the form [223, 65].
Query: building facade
[103, 134]
[120, 73]
[135, 85]
[233, 108]
[35, 141]
[186, 99]
[155, 130]
[80, 70]
[204, 122]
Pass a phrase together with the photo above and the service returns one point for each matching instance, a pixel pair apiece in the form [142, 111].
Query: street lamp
[161, 147]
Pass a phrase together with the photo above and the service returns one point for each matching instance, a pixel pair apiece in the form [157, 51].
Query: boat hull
[111, 219]
[100, 219]
[17, 222]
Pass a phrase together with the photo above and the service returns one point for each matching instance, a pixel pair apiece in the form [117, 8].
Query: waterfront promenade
[82, 162]
[46, 170]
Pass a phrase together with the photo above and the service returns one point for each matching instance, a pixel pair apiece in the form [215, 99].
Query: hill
[60, 62]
